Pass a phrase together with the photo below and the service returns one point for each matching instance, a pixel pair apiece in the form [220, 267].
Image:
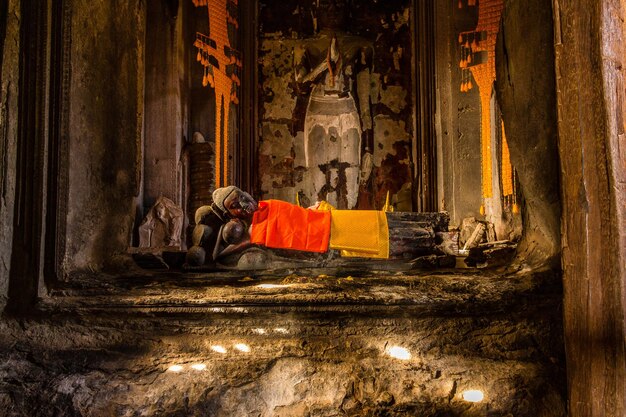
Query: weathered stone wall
[526, 90]
[459, 119]
[165, 111]
[476, 178]
[9, 79]
[105, 119]
[383, 79]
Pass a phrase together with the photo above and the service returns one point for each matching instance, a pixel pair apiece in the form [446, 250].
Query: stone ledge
[307, 292]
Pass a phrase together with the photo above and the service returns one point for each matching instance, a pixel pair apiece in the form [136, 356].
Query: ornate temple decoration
[221, 64]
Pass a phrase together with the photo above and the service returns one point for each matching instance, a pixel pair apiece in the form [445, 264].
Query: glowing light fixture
[175, 368]
[473, 395]
[242, 347]
[199, 366]
[281, 330]
[398, 352]
[270, 286]
[259, 331]
[218, 349]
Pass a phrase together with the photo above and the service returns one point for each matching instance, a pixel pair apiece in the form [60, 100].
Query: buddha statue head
[234, 203]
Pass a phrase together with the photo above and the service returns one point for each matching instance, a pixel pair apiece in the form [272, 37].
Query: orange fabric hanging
[281, 225]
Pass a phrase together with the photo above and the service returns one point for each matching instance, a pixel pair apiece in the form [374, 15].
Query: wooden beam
[589, 40]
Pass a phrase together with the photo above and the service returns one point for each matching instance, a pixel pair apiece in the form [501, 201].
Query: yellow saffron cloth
[360, 233]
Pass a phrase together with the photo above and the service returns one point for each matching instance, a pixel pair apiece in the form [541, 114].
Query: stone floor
[300, 344]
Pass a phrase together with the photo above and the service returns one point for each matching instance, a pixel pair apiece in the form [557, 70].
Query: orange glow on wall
[221, 62]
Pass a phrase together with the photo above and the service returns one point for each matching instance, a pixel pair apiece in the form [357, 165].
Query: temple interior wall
[129, 161]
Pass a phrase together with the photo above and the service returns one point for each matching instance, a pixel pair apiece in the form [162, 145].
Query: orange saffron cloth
[281, 225]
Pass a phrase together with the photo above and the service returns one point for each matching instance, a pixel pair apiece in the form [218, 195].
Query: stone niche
[367, 127]
[105, 338]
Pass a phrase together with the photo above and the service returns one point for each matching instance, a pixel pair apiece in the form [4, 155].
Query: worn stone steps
[296, 345]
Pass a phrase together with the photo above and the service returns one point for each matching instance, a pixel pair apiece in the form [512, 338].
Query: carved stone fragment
[162, 225]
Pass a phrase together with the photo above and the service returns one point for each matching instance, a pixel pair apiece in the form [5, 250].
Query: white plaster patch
[387, 132]
[394, 97]
[344, 149]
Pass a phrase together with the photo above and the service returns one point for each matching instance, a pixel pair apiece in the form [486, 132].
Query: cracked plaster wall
[387, 127]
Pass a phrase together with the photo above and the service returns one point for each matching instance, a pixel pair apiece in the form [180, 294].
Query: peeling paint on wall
[391, 158]
[279, 98]
[387, 132]
[394, 97]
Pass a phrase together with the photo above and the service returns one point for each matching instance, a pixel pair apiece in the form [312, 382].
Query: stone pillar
[9, 81]
[106, 121]
[525, 86]
[163, 110]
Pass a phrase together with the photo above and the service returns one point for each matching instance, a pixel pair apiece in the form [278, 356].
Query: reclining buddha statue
[235, 230]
